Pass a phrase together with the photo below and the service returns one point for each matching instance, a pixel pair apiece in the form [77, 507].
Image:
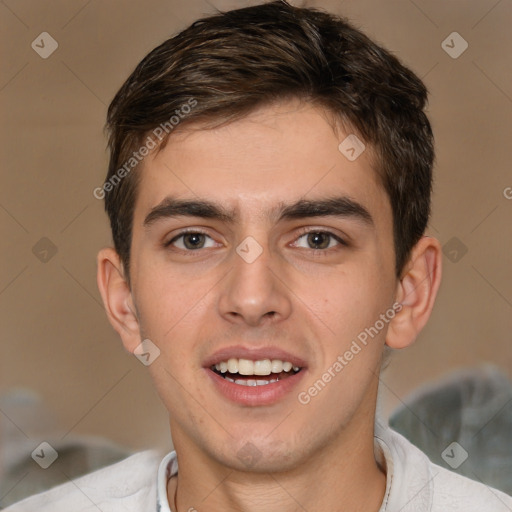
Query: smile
[245, 372]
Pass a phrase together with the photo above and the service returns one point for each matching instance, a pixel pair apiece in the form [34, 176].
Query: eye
[320, 240]
[190, 240]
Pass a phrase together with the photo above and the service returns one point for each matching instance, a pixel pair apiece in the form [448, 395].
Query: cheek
[351, 300]
[165, 299]
[173, 309]
[350, 304]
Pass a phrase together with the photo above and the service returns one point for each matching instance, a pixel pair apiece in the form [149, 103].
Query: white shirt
[139, 484]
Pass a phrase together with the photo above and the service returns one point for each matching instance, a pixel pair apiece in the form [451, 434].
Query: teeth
[263, 367]
[260, 367]
[233, 365]
[251, 382]
[277, 366]
[245, 367]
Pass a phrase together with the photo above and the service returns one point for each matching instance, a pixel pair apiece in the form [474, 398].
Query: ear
[117, 298]
[416, 292]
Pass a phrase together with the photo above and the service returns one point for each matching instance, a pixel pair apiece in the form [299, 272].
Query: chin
[260, 456]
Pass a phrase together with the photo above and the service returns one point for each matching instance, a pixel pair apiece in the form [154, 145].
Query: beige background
[55, 336]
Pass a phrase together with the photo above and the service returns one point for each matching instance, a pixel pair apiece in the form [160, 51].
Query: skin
[309, 301]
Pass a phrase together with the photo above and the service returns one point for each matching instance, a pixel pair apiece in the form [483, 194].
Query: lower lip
[255, 395]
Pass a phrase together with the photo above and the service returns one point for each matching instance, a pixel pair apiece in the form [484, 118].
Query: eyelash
[302, 233]
[323, 252]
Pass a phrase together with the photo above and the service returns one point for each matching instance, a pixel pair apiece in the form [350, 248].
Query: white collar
[167, 469]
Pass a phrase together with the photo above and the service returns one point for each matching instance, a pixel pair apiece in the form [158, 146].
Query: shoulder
[127, 485]
[427, 486]
[459, 493]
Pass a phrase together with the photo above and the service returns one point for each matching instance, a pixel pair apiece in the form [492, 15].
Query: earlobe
[416, 292]
[117, 298]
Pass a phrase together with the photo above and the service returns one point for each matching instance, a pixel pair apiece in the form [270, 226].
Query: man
[268, 192]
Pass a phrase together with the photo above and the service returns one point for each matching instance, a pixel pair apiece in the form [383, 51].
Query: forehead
[277, 154]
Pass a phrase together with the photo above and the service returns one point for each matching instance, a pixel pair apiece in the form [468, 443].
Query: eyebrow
[340, 206]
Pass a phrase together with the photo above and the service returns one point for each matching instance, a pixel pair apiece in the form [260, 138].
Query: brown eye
[190, 241]
[319, 240]
[193, 240]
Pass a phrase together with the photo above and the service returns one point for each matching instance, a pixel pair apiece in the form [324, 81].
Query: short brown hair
[233, 62]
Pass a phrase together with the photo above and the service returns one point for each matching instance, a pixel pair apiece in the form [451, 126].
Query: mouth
[254, 377]
[262, 372]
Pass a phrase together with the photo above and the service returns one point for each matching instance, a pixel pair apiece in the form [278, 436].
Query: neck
[342, 476]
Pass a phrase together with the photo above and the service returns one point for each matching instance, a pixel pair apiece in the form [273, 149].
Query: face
[260, 253]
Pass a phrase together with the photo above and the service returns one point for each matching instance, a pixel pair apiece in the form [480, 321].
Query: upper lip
[253, 354]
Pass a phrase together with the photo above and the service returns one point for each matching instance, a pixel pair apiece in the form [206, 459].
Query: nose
[254, 291]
